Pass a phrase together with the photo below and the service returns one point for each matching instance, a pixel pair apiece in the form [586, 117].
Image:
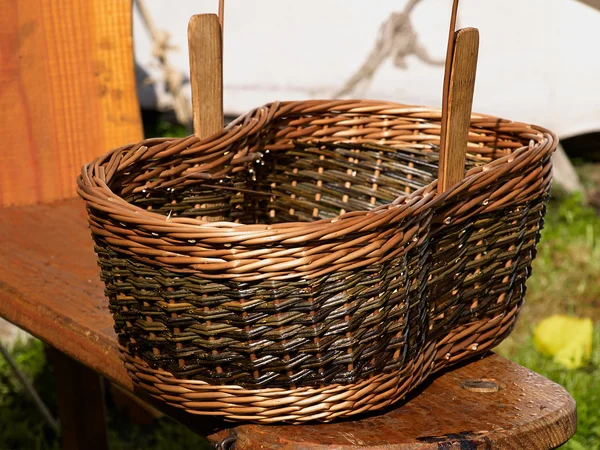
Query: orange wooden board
[67, 92]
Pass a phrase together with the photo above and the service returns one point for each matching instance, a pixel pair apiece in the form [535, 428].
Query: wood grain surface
[593, 3]
[528, 412]
[456, 116]
[49, 286]
[67, 92]
[206, 73]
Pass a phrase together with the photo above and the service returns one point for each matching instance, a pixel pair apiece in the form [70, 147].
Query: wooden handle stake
[457, 101]
[206, 73]
[222, 17]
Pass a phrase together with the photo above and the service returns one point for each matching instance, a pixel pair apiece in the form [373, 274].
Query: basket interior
[287, 180]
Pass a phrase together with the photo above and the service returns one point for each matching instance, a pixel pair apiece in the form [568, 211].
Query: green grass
[567, 269]
[160, 125]
[21, 425]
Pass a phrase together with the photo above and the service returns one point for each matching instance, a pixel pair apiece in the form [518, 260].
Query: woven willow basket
[300, 265]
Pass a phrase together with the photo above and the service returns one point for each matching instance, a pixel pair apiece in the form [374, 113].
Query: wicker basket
[300, 265]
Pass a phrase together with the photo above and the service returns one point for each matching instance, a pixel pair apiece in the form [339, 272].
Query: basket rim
[92, 183]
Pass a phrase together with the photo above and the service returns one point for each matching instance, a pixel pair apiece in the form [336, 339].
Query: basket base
[274, 405]
[323, 404]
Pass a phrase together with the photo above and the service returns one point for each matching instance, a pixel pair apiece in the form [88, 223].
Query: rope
[397, 40]
[173, 78]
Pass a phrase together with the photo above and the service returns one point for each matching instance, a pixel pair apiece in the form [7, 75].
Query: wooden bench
[68, 94]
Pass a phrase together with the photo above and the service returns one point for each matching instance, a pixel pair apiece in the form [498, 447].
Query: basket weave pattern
[299, 265]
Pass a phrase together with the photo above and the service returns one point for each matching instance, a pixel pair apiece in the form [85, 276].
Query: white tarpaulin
[539, 59]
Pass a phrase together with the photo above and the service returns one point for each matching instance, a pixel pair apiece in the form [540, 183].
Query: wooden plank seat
[49, 285]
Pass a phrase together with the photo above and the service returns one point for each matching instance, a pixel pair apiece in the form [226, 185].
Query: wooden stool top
[49, 286]
[490, 403]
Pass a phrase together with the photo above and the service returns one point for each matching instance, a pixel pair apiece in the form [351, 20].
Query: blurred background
[536, 58]
[538, 64]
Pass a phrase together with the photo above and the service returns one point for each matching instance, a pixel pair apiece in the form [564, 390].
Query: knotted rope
[397, 40]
